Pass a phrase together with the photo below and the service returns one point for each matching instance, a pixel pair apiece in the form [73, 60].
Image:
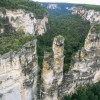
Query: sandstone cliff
[21, 20]
[19, 70]
[52, 73]
[19, 73]
[91, 15]
[85, 65]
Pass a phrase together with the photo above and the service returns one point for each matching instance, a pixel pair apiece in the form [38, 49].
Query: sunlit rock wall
[85, 65]
[19, 73]
[91, 15]
[21, 20]
[52, 73]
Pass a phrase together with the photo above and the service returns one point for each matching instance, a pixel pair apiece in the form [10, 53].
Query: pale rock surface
[19, 73]
[19, 70]
[85, 65]
[52, 72]
[22, 20]
[53, 6]
[91, 15]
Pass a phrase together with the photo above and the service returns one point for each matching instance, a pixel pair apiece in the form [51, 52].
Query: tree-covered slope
[62, 8]
[74, 30]
[24, 4]
[88, 7]
[72, 27]
[13, 40]
[89, 92]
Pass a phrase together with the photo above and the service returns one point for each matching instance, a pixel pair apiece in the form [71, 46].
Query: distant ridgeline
[57, 9]
[88, 7]
[59, 5]
[24, 4]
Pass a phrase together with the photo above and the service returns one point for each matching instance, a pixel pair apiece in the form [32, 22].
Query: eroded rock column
[58, 50]
[52, 73]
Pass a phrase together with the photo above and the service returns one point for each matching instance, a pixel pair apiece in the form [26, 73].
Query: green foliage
[72, 28]
[58, 12]
[61, 10]
[24, 4]
[89, 92]
[96, 28]
[13, 42]
[94, 7]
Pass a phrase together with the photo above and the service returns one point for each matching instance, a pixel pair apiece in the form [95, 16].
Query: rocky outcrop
[91, 15]
[19, 73]
[53, 6]
[22, 21]
[85, 65]
[52, 73]
[19, 70]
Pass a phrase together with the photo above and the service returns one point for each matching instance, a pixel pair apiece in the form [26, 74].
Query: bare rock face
[41, 25]
[53, 6]
[91, 15]
[52, 73]
[21, 20]
[19, 73]
[58, 51]
[85, 66]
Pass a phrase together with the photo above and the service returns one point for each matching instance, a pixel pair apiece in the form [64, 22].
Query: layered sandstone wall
[85, 65]
[52, 73]
[21, 20]
[19, 73]
[91, 15]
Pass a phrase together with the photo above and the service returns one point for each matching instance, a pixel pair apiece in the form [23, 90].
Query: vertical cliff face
[41, 26]
[19, 73]
[52, 73]
[58, 51]
[85, 66]
[91, 15]
[21, 20]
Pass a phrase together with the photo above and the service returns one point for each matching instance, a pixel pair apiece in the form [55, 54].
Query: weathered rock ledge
[21, 20]
[19, 73]
[91, 15]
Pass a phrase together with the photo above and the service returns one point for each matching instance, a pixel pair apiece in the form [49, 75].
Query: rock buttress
[52, 72]
[21, 20]
[85, 67]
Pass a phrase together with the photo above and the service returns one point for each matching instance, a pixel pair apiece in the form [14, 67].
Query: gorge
[21, 75]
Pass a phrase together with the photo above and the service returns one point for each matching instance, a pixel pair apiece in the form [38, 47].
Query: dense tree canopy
[88, 6]
[72, 27]
[89, 92]
[74, 30]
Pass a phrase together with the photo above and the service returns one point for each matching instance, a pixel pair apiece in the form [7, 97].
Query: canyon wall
[91, 15]
[85, 65]
[19, 70]
[52, 73]
[21, 20]
[19, 73]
